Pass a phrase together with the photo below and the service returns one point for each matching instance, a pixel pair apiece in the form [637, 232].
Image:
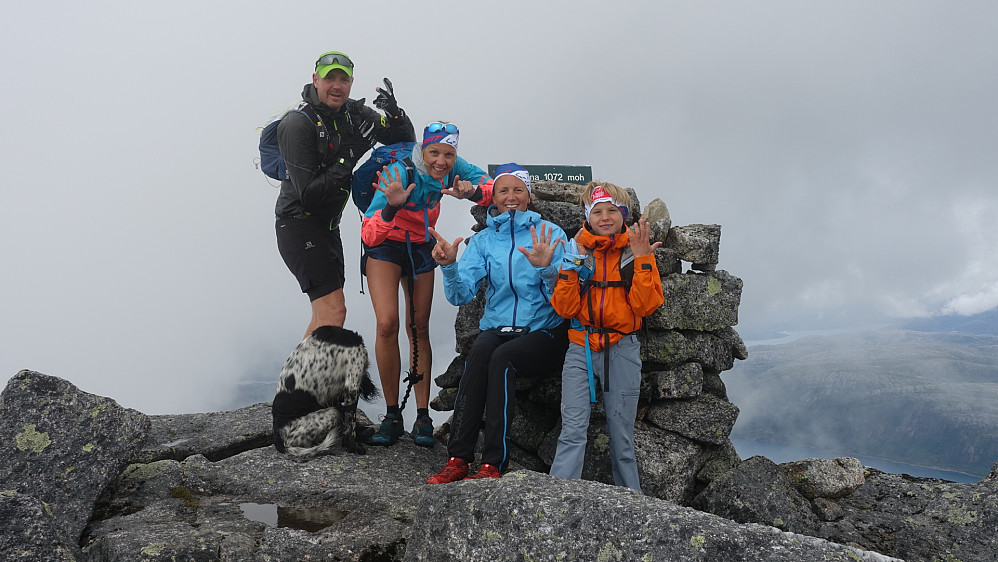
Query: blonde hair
[615, 191]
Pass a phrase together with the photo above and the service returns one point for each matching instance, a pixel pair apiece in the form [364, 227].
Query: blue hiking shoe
[422, 432]
[389, 432]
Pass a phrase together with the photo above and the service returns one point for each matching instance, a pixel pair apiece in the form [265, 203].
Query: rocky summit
[84, 479]
[120, 485]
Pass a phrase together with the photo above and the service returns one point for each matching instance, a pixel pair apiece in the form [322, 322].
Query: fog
[844, 147]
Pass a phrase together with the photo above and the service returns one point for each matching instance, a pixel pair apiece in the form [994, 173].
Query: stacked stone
[684, 416]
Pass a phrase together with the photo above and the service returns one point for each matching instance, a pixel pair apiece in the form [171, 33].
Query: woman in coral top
[397, 246]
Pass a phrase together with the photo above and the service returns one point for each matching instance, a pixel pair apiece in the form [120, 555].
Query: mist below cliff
[921, 398]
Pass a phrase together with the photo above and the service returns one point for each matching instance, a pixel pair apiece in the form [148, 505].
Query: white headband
[599, 195]
[522, 175]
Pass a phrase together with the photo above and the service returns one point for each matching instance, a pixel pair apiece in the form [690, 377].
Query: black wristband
[477, 195]
[388, 213]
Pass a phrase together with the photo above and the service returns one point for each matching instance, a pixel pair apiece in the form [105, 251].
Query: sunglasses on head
[436, 127]
[334, 58]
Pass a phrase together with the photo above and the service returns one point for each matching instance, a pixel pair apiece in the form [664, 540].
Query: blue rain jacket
[518, 294]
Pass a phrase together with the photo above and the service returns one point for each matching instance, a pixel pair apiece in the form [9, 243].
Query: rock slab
[63, 446]
[530, 516]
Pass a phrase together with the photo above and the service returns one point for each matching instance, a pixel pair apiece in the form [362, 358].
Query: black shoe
[389, 432]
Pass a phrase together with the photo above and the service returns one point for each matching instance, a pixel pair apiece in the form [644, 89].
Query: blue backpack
[362, 189]
[365, 175]
[271, 162]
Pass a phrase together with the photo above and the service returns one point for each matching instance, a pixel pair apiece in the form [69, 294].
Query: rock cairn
[684, 416]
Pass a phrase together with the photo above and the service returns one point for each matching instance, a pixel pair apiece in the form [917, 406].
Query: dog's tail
[367, 389]
[303, 454]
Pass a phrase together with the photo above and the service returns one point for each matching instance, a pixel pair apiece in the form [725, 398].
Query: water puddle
[310, 519]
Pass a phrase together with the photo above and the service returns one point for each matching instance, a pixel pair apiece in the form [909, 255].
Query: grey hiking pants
[620, 403]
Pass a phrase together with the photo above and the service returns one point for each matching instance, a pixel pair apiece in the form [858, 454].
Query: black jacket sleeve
[386, 129]
[322, 188]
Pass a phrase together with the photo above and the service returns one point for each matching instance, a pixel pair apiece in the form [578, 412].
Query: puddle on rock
[311, 519]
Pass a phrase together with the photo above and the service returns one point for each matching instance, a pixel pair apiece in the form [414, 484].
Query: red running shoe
[486, 471]
[456, 469]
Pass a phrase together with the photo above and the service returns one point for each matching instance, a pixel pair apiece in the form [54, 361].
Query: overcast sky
[847, 148]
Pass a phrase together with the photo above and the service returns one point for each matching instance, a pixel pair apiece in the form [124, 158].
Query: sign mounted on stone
[565, 174]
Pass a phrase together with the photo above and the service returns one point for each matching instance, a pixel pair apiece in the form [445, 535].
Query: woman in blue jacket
[518, 255]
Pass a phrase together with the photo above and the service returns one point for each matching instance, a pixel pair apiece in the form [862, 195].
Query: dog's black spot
[287, 407]
[339, 336]
[289, 382]
[294, 404]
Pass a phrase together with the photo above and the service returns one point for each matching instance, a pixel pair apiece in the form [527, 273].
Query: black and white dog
[316, 403]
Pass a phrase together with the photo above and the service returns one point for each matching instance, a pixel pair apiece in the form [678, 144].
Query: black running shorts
[313, 253]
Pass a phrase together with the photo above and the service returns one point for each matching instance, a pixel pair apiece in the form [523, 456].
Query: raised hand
[386, 100]
[640, 235]
[444, 253]
[542, 247]
[393, 190]
[461, 189]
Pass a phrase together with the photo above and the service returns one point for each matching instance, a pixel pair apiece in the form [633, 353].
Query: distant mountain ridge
[983, 323]
[918, 397]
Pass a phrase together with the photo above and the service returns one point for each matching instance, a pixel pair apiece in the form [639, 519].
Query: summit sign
[566, 174]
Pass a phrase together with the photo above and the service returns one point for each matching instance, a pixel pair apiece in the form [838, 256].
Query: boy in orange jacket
[606, 302]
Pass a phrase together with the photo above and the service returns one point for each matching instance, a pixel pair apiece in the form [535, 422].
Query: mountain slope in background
[921, 398]
[983, 323]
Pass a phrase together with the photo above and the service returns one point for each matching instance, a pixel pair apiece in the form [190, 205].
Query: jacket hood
[310, 96]
[417, 160]
[420, 165]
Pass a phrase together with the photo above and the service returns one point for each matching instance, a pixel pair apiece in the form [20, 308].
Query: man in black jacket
[320, 146]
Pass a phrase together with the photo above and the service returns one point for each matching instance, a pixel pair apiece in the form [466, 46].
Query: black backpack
[626, 268]
[271, 162]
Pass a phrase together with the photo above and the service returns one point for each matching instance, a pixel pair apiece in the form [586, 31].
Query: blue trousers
[620, 403]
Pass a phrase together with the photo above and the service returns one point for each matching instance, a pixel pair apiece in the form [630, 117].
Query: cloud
[843, 147]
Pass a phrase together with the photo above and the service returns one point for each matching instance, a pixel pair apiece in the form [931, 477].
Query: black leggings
[489, 384]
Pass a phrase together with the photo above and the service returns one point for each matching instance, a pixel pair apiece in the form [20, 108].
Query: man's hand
[386, 100]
